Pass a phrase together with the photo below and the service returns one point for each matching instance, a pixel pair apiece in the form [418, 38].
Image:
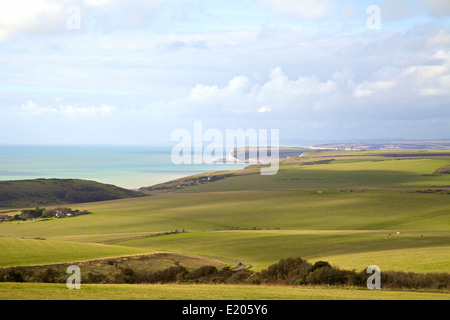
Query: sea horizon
[126, 166]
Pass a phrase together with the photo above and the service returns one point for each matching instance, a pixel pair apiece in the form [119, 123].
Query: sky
[133, 72]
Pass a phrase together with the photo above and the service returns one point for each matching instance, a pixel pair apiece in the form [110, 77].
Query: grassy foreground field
[352, 209]
[34, 291]
[286, 224]
[351, 249]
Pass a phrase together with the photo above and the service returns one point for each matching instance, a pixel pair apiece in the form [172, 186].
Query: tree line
[289, 271]
[30, 214]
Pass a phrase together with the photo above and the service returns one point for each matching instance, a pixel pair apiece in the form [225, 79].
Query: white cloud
[394, 89]
[304, 9]
[431, 79]
[398, 9]
[233, 96]
[426, 72]
[394, 86]
[403, 9]
[203, 93]
[280, 90]
[293, 103]
[264, 109]
[97, 3]
[440, 39]
[241, 95]
[19, 17]
[32, 109]
[31, 16]
[439, 8]
[101, 111]
[367, 89]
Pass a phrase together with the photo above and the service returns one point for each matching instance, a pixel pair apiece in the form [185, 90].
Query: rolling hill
[351, 208]
[44, 192]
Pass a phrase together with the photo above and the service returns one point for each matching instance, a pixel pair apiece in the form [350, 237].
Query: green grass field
[339, 174]
[34, 291]
[310, 225]
[285, 209]
[262, 248]
[374, 208]
[21, 252]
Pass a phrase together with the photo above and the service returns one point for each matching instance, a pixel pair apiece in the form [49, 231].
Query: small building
[59, 214]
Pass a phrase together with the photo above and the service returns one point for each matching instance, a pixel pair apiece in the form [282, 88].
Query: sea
[129, 167]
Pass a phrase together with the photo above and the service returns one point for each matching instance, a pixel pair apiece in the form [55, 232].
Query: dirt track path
[240, 265]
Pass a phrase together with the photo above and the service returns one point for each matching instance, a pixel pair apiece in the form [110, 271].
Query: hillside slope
[328, 170]
[39, 192]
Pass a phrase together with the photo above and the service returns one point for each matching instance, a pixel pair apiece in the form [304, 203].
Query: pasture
[372, 208]
[35, 291]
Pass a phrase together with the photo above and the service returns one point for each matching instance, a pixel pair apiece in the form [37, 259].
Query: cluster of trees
[252, 228]
[29, 214]
[295, 271]
[179, 274]
[5, 217]
[290, 271]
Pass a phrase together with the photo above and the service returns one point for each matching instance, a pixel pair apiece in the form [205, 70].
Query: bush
[326, 275]
[403, 280]
[237, 277]
[286, 271]
[49, 276]
[127, 275]
[95, 278]
[357, 279]
[48, 213]
[223, 275]
[317, 265]
[12, 275]
[202, 272]
[172, 274]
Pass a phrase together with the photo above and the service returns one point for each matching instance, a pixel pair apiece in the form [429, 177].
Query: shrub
[285, 271]
[326, 275]
[204, 271]
[403, 280]
[223, 275]
[172, 274]
[127, 275]
[317, 265]
[356, 279]
[49, 276]
[240, 276]
[48, 213]
[12, 275]
[95, 278]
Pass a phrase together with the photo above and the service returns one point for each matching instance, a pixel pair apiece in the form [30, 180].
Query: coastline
[134, 167]
[129, 167]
